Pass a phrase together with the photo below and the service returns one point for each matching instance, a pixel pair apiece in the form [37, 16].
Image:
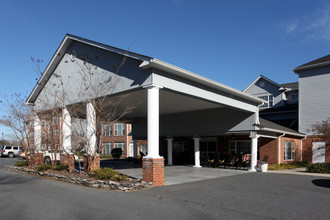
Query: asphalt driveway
[249, 196]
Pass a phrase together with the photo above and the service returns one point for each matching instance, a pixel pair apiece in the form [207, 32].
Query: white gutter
[279, 131]
[197, 78]
[279, 147]
[301, 140]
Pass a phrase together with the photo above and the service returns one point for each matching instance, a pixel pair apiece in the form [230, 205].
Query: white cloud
[315, 26]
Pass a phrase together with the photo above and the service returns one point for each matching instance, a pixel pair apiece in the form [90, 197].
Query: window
[294, 96]
[31, 124]
[107, 130]
[288, 150]
[240, 147]
[15, 148]
[56, 120]
[107, 148]
[119, 129]
[122, 146]
[31, 135]
[269, 99]
[143, 148]
[56, 133]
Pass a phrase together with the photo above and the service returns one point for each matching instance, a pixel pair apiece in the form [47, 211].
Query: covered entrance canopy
[167, 100]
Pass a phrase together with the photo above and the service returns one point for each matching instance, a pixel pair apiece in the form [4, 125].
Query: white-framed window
[119, 129]
[107, 129]
[56, 133]
[56, 120]
[269, 101]
[288, 150]
[107, 148]
[122, 146]
[143, 148]
[240, 147]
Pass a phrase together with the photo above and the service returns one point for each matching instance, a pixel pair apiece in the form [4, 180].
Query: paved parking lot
[248, 196]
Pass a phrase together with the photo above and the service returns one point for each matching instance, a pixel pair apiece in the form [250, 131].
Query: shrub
[21, 163]
[60, 167]
[319, 168]
[44, 167]
[108, 174]
[292, 165]
[116, 152]
[105, 156]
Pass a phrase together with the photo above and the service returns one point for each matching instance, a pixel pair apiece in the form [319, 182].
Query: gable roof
[273, 127]
[323, 61]
[265, 78]
[147, 62]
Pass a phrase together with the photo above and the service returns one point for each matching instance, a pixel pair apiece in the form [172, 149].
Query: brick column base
[91, 163]
[37, 159]
[153, 171]
[67, 160]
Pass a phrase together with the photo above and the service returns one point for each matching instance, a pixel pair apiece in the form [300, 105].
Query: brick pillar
[153, 171]
[37, 159]
[67, 160]
[93, 161]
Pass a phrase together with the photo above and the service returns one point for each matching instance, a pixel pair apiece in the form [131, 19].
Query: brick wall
[296, 150]
[37, 159]
[308, 148]
[269, 150]
[91, 163]
[153, 171]
[67, 160]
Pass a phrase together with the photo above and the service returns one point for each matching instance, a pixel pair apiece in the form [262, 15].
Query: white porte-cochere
[153, 121]
[91, 128]
[66, 130]
[254, 150]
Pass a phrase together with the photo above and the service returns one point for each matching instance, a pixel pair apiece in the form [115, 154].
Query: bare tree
[17, 119]
[323, 128]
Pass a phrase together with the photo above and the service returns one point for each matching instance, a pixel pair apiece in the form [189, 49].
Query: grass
[22, 163]
[106, 156]
[292, 165]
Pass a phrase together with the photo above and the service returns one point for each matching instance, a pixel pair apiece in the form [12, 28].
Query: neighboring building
[281, 101]
[314, 105]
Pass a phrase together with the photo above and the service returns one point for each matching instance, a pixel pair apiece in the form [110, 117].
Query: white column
[66, 131]
[153, 121]
[37, 133]
[169, 151]
[91, 128]
[197, 154]
[254, 151]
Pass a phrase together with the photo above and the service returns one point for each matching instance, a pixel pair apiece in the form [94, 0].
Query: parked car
[50, 156]
[10, 151]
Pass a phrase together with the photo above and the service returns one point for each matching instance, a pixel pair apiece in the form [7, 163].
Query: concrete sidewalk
[299, 171]
[185, 174]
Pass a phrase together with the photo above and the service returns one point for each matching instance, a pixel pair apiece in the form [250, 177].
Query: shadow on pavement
[322, 183]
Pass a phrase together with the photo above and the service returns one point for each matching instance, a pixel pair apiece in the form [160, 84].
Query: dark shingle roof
[268, 124]
[290, 85]
[323, 60]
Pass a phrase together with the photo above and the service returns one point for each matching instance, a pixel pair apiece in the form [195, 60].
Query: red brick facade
[308, 148]
[153, 171]
[67, 160]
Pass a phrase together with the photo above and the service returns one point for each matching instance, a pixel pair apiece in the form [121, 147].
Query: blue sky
[231, 42]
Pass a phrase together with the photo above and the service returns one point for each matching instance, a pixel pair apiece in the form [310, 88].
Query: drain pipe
[279, 147]
[301, 140]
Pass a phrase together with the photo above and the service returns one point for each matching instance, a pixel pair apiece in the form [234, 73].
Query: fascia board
[298, 69]
[158, 64]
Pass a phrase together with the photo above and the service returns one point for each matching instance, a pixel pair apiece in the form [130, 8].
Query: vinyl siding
[314, 97]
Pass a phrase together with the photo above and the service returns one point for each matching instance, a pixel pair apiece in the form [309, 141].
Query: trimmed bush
[318, 168]
[22, 163]
[108, 174]
[116, 152]
[44, 167]
[60, 167]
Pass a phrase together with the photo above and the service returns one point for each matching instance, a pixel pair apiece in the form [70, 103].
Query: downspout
[279, 147]
[301, 140]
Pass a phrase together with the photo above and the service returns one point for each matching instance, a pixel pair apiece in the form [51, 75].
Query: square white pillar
[254, 151]
[197, 153]
[153, 121]
[66, 131]
[91, 128]
[37, 133]
[169, 151]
